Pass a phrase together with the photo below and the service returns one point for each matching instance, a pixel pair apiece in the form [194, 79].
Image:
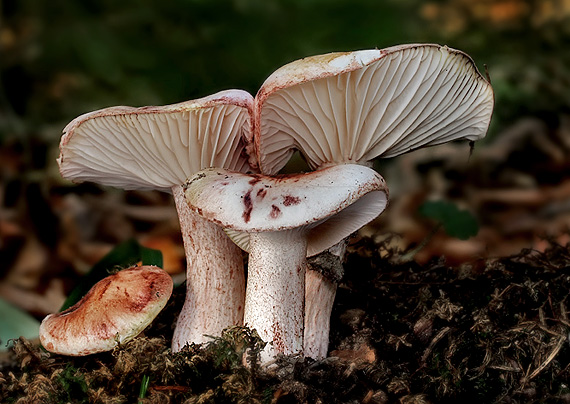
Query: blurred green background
[59, 59]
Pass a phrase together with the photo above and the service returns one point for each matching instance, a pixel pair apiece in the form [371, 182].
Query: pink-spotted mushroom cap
[158, 148]
[114, 311]
[351, 107]
[286, 218]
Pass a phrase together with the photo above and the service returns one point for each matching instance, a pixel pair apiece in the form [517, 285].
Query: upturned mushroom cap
[352, 107]
[114, 311]
[330, 203]
[157, 147]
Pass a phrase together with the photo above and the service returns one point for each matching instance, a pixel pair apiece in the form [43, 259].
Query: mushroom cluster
[220, 157]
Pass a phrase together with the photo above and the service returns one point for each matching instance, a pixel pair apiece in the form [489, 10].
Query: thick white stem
[275, 291]
[215, 283]
[320, 292]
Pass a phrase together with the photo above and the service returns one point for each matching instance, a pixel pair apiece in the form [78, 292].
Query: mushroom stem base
[320, 292]
[275, 291]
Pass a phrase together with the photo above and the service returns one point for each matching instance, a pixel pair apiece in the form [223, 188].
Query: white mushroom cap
[352, 107]
[114, 311]
[330, 203]
[157, 147]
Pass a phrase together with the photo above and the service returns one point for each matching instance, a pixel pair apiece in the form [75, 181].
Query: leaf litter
[494, 330]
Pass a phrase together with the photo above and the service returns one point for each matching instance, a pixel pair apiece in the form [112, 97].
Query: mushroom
[283, 220]
[159, 148]
[114, 311]
[338, 108]
[353, 107]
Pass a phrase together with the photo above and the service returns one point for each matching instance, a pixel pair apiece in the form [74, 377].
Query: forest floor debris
[492, 331]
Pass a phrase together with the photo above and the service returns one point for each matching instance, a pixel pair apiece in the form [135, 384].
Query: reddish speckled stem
[319, 295]
[275, 290]
[215, 284]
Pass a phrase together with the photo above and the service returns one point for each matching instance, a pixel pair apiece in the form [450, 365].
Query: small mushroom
[158, 148]
[284, 219]
[352, 107]
[114, 311]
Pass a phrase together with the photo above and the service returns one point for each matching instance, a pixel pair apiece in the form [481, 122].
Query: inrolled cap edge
[334, 229]
[258, 203]
[346, 222]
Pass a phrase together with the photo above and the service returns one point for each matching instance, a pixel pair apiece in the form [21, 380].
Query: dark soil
[491, 331]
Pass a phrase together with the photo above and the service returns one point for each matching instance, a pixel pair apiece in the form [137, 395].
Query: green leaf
[150, 256]
[122, 256]
[16, 323]
[144, 387]
[456, 223]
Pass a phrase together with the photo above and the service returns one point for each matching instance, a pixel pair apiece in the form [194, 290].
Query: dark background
[59, 59]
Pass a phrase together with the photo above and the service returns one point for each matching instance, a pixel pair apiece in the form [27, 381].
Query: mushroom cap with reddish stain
[329, 204]
[114, 311]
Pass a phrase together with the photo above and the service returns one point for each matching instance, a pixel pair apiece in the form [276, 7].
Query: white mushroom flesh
[354, 107]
